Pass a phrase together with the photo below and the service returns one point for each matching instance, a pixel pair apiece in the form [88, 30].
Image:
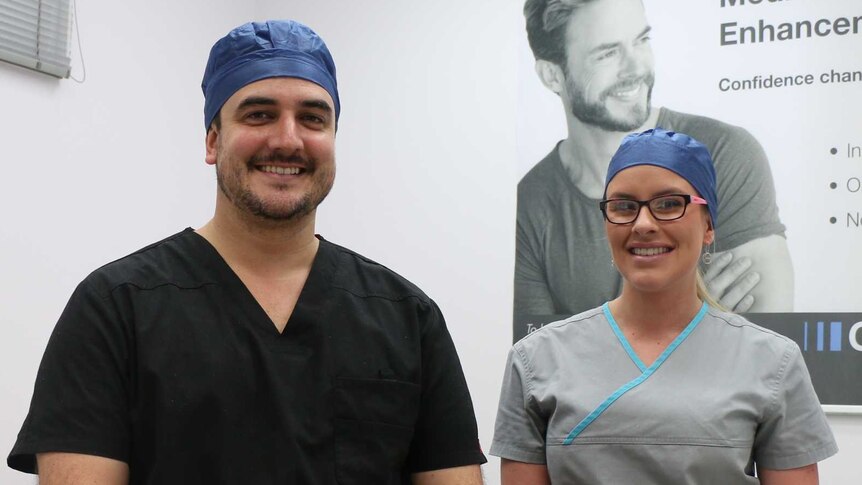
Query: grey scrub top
[725, 395]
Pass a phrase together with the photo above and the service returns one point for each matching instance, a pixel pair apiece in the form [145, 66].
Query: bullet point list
[832, 220]
[833, 185]
[833, 151]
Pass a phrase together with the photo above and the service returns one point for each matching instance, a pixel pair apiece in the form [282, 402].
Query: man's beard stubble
[597, 113]
[241, 195]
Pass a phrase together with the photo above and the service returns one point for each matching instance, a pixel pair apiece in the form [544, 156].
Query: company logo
[820, 337]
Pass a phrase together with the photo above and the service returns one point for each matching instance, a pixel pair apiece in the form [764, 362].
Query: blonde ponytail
[704, 295]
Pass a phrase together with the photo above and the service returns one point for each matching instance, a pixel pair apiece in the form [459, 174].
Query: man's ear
[551, 75]
[212, 146]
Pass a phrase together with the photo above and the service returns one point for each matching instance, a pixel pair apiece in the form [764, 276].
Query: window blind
[35, 34]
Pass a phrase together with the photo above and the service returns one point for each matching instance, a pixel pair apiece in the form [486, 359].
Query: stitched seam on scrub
[779, 380]
[650, 440]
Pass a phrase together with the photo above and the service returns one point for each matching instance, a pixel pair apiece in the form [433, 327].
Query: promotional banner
[774, 89]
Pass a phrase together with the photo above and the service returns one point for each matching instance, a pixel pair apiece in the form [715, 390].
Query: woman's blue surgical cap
[676, 152]
[261, 50]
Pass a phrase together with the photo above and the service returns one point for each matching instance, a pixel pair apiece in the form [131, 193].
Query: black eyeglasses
[663, 208]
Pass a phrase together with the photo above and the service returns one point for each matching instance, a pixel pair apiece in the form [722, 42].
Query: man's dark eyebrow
[317, 104]
[256, 101]
[645, 31]
[611, 45]
[264, 101]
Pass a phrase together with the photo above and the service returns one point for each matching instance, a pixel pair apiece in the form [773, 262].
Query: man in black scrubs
[251, 351]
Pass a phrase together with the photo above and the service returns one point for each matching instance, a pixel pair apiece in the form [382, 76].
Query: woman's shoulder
[746, 333]
[573, 328]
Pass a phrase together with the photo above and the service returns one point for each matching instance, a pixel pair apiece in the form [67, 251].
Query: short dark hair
[546, 27]
[216, 122]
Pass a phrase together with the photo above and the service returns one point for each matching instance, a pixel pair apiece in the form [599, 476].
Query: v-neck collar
[309, 305]
[645, 374]
[667, 351]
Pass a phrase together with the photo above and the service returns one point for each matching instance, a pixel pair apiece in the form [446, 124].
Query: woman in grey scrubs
[659, 386]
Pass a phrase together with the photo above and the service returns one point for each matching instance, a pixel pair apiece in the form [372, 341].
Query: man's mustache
[279, 157]
[647, 79]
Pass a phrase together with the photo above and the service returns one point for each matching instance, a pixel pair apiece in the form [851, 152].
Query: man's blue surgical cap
[261, 50]
[676, 152]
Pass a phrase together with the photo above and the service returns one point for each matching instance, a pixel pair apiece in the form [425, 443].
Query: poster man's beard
[597, 114]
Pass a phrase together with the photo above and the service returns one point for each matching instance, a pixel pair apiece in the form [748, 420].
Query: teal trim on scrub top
[623, 340]
[646, 372]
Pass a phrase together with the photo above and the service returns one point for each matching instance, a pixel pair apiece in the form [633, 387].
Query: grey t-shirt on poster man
[563, 263]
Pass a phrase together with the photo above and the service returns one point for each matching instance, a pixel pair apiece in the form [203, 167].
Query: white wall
[427, 167]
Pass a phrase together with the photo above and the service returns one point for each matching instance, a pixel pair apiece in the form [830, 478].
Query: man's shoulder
[365, 278]
[709, 131]
[542, 173]
[164, 261]
[542, 188]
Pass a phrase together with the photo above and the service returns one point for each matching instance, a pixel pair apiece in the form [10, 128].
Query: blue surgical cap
[261, 50]
[676, 152]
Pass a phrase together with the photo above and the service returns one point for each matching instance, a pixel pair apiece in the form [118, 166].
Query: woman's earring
[707, 256]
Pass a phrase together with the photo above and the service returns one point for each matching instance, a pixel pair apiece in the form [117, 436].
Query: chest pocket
[374, 420]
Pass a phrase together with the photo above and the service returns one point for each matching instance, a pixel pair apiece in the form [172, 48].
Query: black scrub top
[164, 360]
